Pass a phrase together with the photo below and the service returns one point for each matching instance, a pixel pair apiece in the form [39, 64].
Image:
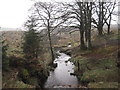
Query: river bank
[21, 72]
[97, 68]
[24, 74]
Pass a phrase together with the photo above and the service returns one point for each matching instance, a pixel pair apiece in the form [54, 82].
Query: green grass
[103, 85]
[10, 80]
[33, 81]
[14, 40]
[16, 84]
[97, 75]
[99, 65]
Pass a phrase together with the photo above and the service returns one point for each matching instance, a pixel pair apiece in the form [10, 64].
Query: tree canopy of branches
[49, 16]
[83, 15]
[80, 14]
[103, 15]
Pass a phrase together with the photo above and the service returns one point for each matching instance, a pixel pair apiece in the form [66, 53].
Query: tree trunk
[51, 49]
[100, 30]
[89, 29]
[109, 25]
[108, 30]
[88, 25]
[78, 65]
[82, 43]
[101, 13]
[89, 39]
[82, 27]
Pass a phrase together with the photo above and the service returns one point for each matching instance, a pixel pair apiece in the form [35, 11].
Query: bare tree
[80, 16]
[50, 16]
[110, 9]
[88, 15]
[99, 8]
[103, 12]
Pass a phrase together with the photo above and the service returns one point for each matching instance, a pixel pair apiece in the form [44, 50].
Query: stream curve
[60, 77]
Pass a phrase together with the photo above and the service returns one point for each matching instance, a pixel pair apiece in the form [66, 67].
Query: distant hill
[62, 29]
[9, 29]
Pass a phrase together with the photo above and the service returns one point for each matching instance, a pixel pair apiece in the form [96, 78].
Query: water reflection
[61, 75]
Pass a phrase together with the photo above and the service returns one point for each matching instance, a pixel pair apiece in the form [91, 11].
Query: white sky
[13, 13]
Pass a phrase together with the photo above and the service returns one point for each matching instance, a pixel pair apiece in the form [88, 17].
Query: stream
[60, 77]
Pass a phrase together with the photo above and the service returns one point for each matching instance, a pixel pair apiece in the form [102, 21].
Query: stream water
[61, 77]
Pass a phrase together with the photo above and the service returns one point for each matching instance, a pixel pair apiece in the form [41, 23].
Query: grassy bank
[21, 72]
[97, 68]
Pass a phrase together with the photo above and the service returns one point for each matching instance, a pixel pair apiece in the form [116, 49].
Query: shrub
[24, 75]
[5, 59]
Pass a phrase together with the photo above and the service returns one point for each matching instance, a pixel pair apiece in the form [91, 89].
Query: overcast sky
[13, 13]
